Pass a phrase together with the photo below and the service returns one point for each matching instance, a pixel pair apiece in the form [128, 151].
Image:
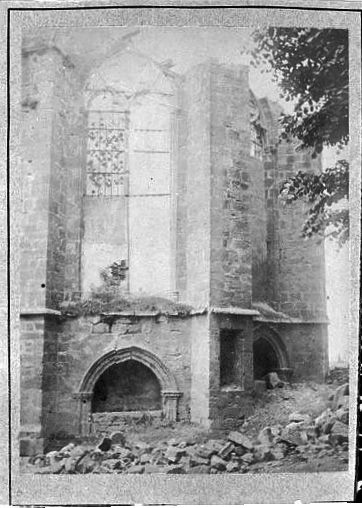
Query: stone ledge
[234, 310]
[40, 311]
[292, 320]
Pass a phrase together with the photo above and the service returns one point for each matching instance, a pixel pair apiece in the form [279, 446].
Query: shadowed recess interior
[127, 386]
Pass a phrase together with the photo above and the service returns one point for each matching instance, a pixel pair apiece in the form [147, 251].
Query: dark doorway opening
[127, 386]
[228, 357]
[265, 358]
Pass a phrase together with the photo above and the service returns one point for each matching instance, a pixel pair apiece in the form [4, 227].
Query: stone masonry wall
[296, 278]
[37, 115]
[231, 250]
[197, 196]
[307, 347]
[80, 343]
[66, 185]
[52, 140]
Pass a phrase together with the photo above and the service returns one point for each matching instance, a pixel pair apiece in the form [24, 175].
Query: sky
[188, 46]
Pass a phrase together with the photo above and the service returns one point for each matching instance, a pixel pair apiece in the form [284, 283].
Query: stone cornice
[239, 311]
[40, 311]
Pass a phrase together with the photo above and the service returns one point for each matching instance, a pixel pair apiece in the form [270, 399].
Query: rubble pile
[237, 453]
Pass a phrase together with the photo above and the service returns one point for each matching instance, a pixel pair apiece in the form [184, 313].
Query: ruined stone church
[174, 178]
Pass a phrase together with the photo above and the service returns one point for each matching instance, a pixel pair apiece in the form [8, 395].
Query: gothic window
[107, 153]
[256, 141]
[257, 130]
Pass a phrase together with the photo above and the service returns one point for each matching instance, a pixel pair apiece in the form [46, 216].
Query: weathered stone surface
[145, 458]
[176, 469]
[196, 460]
[277, 453]
[136, 469]
[152, 469]
[248, 458]
[218, 463]
[118, 438]
[174, 454]
[205, 451]
[202, 469]
[266, 436]
[259, 386]
[294, 435]
[272, 380]
[240, 439]
[227, 449]
[342, 414]
[339, 433]
[232, 467]
[339, 399]
[262, 453]
[298, 417]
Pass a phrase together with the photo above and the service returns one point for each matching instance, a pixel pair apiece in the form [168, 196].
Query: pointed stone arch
[168, 383]
[274, 341]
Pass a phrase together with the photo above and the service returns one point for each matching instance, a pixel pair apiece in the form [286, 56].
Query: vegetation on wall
[311, 68]
[111, 298]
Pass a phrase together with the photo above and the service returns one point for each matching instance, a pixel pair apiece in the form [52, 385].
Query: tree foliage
[311, 68]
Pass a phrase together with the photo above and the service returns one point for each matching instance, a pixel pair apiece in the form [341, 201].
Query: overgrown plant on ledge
[111, 298]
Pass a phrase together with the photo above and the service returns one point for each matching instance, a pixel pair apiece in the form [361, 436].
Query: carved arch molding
[273, 338]
[169, 389]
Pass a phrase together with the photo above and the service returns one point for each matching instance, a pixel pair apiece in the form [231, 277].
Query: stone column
[84, 412]
[170, 404]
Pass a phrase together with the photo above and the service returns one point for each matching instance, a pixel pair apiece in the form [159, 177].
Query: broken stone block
[172, 442]
[202, 469]
[294, 435]
[266, 436]
[298, 417]
[86, 464]
[277, 453]
[232, 467]
[142, 447]
[226, 450]
[113, 464]
[339, 399]
[152, 469]
[205, 451]
[196, 460]
[262, 453]
[136, 469]
[70, 464]
[248, 458]
[145, 458]
[185, 461]
[240, 439]
[67, 449]
[175, 469]
[77, 451]
[174, 454]
[240, 451]
[342, 414]
[118, 438]
[218, 463]
[215, 445]
[339, 433]
[272, 380]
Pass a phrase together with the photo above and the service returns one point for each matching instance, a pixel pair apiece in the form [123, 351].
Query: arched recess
[274, 346]
[169, 389]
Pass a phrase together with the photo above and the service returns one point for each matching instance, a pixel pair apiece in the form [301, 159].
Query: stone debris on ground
[304, 436]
